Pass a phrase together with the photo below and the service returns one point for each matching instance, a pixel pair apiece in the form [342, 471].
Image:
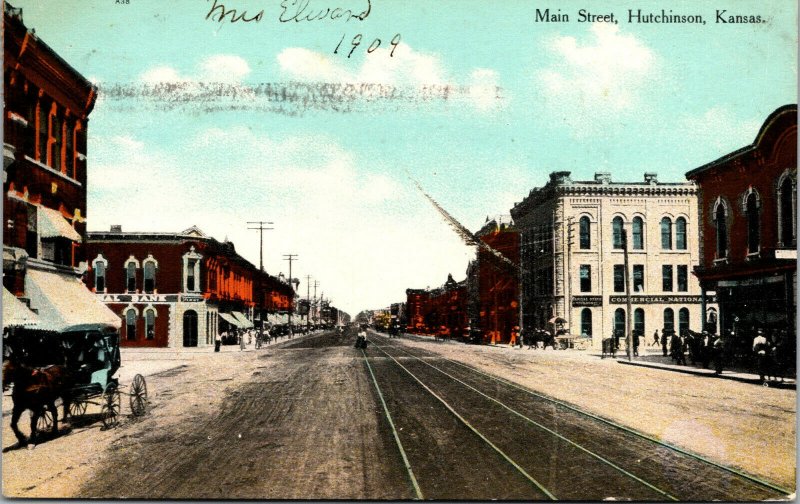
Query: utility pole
[629, 338]
[308, 302]
[290, 258]
[316, 284]
[261, 230]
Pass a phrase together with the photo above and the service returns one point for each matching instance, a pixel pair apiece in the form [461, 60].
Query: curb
[710, 374]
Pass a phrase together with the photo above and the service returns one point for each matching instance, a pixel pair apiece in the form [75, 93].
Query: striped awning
[243, 321]
[15, 313]
[227, 317]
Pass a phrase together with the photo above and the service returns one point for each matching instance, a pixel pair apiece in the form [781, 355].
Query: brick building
[439, 310]
[46, 114]
[180, 289]
[748, 230]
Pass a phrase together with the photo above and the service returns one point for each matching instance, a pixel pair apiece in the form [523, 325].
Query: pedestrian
[655, 339]
[217, 342]
[719, 351]
[705, 349]
[760, 349]
[635, 343]
[663, 341]
[241, 340]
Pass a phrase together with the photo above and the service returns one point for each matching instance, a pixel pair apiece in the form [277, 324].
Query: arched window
[130, 324]
[753, 225]
[619, 322]
[638, 321]
[721, 225]
[150, 266]
[150, 323]
[669, 320]
[786, 206]
[638, 233]
[616, 231]
[683, 319]
[586, 322]
[666, 233]
[100, 265]
[680, 233]
[585, 231]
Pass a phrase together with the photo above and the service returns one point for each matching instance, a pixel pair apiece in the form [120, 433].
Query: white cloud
[719, 129]
[484, 90]
[596, 80]
[215, 68]
[162, 73]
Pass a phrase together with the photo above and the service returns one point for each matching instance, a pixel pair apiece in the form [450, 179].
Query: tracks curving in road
[577, 455]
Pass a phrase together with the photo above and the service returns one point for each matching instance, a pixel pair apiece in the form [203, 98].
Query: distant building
[438, 311]
[45, 120]
[572, 268]
[180, 289]
[748, 216]
[497, 282]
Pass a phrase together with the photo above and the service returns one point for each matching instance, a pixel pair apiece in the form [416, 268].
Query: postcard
[400, 250]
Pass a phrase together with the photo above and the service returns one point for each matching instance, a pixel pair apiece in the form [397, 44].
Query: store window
[586, 322]
[619, 322]
[585, 232]
[669, 321]
[683, 320]
[130, 324]
[638, 321]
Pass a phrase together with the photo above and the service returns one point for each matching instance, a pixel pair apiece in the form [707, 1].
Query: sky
[214, 123]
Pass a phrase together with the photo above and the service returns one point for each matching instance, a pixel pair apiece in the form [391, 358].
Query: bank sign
[640, 300]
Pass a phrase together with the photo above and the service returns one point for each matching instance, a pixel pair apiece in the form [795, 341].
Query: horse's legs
[54, 411]
[35, 414]
[15, 414]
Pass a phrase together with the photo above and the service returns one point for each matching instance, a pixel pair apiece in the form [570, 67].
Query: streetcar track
[544, 428]
[494, 447]
[748, 477]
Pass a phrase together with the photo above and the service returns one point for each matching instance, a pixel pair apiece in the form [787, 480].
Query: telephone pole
[290, 258]
[308, 303]
[261, 230]
[316, 284]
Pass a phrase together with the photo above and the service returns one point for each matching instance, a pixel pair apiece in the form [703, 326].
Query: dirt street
[301, 419]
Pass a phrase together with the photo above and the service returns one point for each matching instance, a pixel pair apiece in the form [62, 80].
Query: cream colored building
[573, 259]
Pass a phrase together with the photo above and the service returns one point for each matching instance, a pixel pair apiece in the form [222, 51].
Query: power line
[261, 230]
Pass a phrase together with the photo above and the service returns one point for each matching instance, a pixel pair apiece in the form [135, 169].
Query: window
[721, 224]
[680, 233]
[55, 141]
[585, 232]
[753, 230]
[616, 230]
[130, 323]
[42, 125]
[683, 320]
[130, 276]
[683, 278]
[619, 278]
[619, 322]
[666, 233]
[638, 278]
[69, 154]
[786, 205]
[100, 276]
[638, 321]
[149, 276]
[638, 233]
[150, 323]
[586, 322]
[666, 278]
[669, 321]
[190, 283]
[586, 278]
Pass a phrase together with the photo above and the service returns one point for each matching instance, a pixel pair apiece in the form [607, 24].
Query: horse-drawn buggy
[78, 367]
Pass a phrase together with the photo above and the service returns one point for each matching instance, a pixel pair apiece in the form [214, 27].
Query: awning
[65, 304]
[243, 321]
[53, 225]
[227, 317]
[15, 313]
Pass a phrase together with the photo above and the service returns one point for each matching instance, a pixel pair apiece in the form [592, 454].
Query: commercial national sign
[660, 299]
[149, 298]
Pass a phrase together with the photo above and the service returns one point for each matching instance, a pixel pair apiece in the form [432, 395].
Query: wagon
[92, 358]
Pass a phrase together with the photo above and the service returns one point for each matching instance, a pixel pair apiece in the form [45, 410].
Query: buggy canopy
[244, 323]
[15, 313]
[65, 304]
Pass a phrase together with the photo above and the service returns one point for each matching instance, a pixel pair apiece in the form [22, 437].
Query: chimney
[650, 178]
[602, 177]
[116, 228]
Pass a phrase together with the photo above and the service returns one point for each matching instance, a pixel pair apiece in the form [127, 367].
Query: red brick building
[45, 119]
[180, 289]
[497, 281]
[748, 242]
[442, 310]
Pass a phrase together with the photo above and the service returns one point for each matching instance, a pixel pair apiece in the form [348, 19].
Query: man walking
[663, 341]
[760, 349]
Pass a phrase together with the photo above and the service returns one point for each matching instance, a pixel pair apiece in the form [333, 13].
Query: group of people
[245, 337]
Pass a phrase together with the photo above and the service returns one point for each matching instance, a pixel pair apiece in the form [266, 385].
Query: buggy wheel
[45, 422]
[111, 408]
[138, 395]
[77, 408]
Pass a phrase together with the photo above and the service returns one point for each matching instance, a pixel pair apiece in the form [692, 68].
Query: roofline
[773, 117]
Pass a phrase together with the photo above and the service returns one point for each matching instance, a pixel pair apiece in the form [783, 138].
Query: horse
[36, 389]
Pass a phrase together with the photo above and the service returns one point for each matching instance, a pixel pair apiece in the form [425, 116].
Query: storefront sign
[659, 300]
[581, 301]
[133, 298]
